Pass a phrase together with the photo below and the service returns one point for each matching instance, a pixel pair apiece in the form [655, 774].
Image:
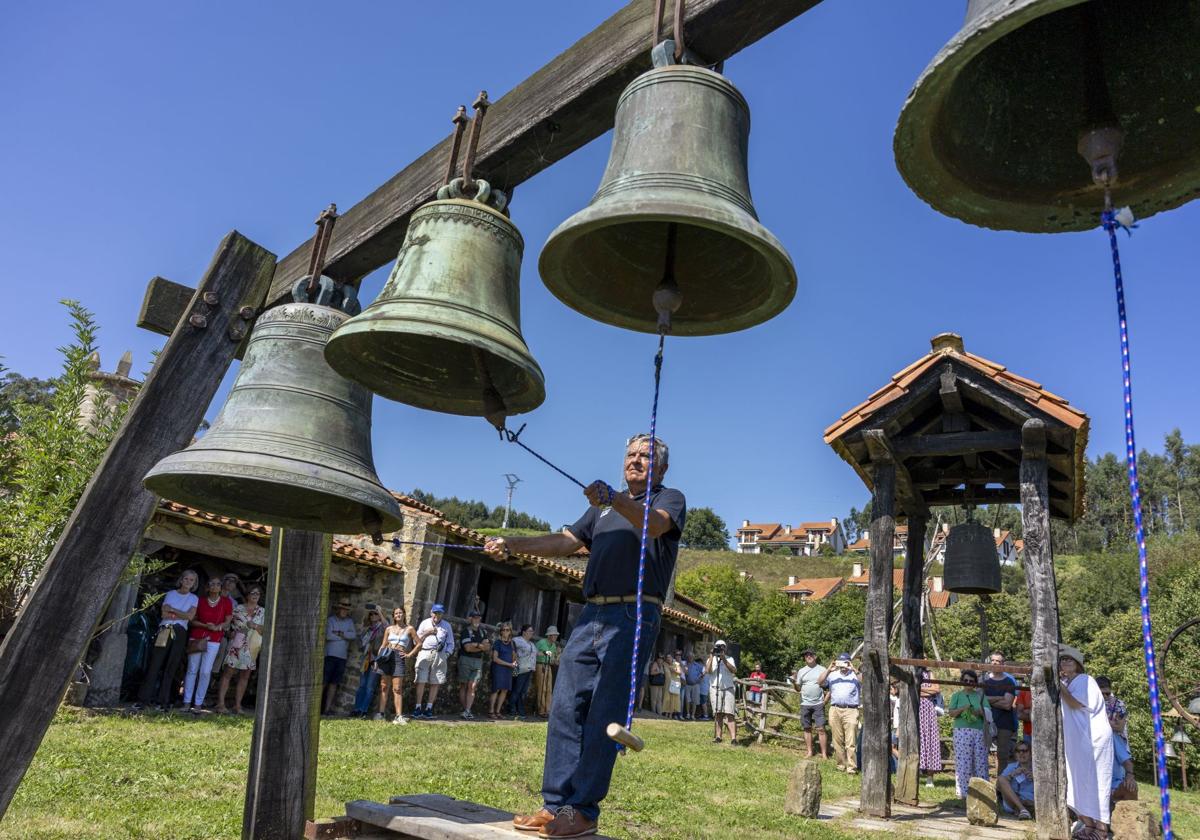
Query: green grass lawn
[111, 776]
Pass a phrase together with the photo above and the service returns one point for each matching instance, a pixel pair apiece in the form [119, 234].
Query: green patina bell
[292, 444]
[994, 129]
[445, 332]
[972, 566]
[676, 181]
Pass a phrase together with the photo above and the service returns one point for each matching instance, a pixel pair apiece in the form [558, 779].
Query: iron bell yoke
[972, 566]
[1018, 122]
[445, 332]
[674, 200]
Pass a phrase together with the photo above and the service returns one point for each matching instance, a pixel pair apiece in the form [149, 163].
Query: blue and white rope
[1110, 220]
[641, 577]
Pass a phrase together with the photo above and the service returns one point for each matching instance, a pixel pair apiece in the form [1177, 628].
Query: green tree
[51, 462]
[475, 514]
[705, 531]
[830, 626]
[17, 390]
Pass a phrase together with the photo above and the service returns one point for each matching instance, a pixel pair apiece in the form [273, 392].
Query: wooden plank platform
[432, 816]
[927, 821]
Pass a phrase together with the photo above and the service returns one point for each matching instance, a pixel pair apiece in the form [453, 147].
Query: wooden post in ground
[42, 650]
[1049, 769]
[876, 794]
[281, 785]
[908, 768]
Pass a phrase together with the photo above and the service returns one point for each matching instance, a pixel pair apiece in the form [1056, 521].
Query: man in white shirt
[722, 670]
[436, 637]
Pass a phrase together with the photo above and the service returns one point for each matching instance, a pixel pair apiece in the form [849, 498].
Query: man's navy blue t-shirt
[997, 687]
[615, 543]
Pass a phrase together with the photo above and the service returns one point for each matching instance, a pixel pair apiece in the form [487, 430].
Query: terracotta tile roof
[939, 600]
[1019, 545]
[865, 577]
[1002, 537]
[863, 543]
[341, 548]
[767, 528]
[950, 346]
[817, 588]
[816, 526]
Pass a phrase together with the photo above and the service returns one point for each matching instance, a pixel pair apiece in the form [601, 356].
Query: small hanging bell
[678, 161]
[994, 129]
[292, 444]
[445, 332]
[972, 566]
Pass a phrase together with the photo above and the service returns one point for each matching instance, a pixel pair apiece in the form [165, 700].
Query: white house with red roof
[803, 540]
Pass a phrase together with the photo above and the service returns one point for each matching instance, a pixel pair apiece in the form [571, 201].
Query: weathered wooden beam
[911, 644]
[880, 450]
[163, 305]
[40, 652]
[960, 665]
[876, 796]
[563, 106]
[955, 443]
[951, 398]
[977, 496]
[961, 475]
[1049, 769]
[281, 784]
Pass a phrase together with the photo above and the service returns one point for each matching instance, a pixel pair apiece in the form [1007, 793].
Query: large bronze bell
[678, 161]
[445, 332]
[990, 131]
[292, 444]
[972, 565]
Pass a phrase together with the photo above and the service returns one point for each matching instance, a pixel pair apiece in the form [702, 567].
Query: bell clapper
[667, 298]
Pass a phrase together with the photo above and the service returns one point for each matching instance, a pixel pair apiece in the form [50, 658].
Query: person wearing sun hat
[1087, 744]
[436, 638]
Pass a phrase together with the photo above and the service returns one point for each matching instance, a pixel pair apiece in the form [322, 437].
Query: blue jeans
[516, 697]
[591, 692]
[366, 692]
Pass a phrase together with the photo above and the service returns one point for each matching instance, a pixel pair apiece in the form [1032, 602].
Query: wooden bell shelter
[953, 428]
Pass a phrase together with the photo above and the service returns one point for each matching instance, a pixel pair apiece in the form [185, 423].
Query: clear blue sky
[136, 134]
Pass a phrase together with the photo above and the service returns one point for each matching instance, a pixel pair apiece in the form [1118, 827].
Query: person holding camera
[723, 671]
[593, 689]
[844, 686]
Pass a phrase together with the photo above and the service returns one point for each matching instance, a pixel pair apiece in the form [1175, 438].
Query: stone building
[522, 589]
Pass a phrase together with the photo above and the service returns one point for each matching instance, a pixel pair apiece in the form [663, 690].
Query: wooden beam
[978, 496]
[961, 475]
[41, 651]
[911, 644]
[282, 780]
[960, 665]
[880, 449]
[876, 796]
[955, 443]
[560, 108]
[163, 305]
[1049, 769]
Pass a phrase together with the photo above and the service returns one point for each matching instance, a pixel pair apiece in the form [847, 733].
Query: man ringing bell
[593, 675]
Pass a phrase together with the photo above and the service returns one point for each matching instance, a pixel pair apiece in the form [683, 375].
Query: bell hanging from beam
[972, 566]
[445, 332]
[292, 444]
[1001, 128]
[674, 199]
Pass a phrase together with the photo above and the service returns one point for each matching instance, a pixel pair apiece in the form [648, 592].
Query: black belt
[841, 706]
[623, 599]
[470, 656]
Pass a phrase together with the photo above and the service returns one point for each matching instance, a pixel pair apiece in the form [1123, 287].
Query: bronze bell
[676, 181]
[292, 444]
[445, 332]
[993, 130]
[972, 565]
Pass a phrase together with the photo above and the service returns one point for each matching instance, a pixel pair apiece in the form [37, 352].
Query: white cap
[718, 642]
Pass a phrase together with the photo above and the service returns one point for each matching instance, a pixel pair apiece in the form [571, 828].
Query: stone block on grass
[804, 790]
[1136, 821]
[982, 805]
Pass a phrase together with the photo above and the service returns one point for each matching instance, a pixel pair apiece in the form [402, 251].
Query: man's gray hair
[662, 453]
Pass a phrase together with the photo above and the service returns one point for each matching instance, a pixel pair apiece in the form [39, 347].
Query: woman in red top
[212, 618]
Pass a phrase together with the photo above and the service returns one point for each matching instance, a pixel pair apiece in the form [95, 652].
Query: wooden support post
[911, 644]
[282, 782]
[876, 793]
[1049, 769]
[40, 653]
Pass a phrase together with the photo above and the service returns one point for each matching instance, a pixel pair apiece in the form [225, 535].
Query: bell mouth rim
[391, 517]
[926, 172]
[767, 245]
[343, 351]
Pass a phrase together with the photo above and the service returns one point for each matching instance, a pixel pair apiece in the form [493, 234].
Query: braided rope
[468, 546]
[1109, 220]
[637, 630]
[515, 437]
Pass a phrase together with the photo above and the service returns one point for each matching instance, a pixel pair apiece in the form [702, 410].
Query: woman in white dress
[1087, 745]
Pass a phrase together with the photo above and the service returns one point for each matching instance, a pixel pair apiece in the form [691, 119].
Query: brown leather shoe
[532, 822]
[568, 823]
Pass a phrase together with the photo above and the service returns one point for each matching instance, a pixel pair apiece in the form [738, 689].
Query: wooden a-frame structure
[953, 428]
[558, 109]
